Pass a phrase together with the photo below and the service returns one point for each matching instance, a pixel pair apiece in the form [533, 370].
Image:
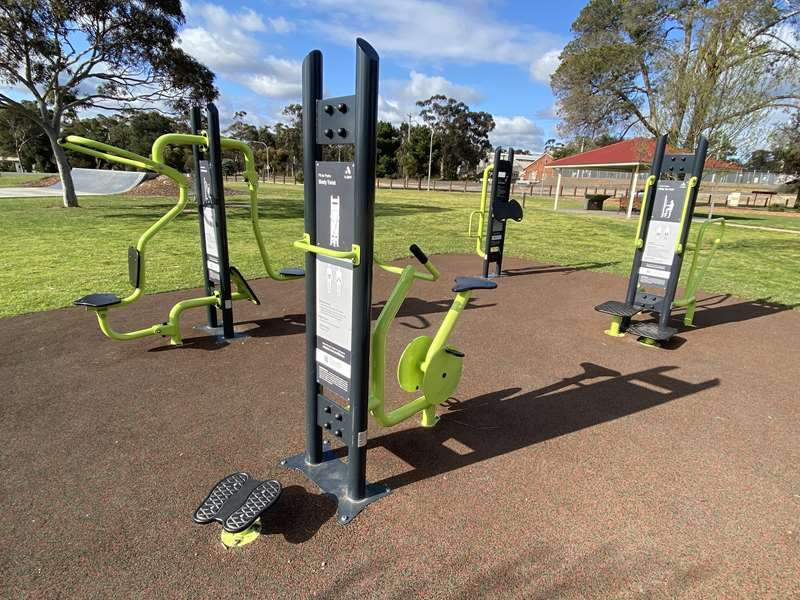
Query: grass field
[52, 255]
[19, 180]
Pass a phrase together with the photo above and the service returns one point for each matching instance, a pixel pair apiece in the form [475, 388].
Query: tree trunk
[70, 199]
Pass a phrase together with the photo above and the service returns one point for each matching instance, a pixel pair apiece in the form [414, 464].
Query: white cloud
[466, 30]
[401, 95]
[223, 41]
[517, 132]
[543, 67]
[281, 25]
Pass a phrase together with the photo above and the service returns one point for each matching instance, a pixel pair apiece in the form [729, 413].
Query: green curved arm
[124, 157]
[431, 275]
[697, 270]
[159, 146]
[650, 181]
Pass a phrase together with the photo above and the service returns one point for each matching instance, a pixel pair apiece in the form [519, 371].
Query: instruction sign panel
[334, 284]
[663, 233]
[209, 223]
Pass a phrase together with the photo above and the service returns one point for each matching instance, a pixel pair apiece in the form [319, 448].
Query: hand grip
[418, 254]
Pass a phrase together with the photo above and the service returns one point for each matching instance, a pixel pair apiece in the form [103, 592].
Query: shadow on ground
[508, 420]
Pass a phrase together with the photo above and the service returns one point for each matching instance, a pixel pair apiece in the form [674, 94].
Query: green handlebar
[306, 245]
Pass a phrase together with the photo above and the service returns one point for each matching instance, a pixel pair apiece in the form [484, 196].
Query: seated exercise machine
[495, 210]
[338, 240]
[661, 245]
[218, 274]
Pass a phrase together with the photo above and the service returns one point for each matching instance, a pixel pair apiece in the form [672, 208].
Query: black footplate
[651, 330]
[98, 300]
[293, 272]
[465, 284]
[618, 309]
[237, 501]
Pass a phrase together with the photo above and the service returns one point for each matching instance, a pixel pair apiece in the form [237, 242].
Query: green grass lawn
[19, 180]
[51, 255]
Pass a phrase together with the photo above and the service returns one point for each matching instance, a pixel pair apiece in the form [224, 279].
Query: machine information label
[209, 219]
[663, 233]
[334, 282]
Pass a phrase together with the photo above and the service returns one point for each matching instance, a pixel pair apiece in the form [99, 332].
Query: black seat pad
[507, 210]
[293, 272]
[464, 284]
[98, 300]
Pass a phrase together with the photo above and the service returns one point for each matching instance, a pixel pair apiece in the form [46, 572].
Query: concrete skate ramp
[88, 182]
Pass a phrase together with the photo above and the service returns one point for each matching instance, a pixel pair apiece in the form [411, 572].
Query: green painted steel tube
[250, 175]
[482, 213]
[431, 275]
[692, 184]
[353, 255]
[650, 181]
[447, 326]
[696, 274]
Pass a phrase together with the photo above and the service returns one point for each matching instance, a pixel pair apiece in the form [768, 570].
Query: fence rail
[523, 190]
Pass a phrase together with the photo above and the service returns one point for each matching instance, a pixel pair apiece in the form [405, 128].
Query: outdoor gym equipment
[661, 245]
[339, 221]
[218, 273]
[490, 233]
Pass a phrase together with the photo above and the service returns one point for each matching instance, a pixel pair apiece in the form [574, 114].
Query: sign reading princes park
[663, 233]
[335, 224]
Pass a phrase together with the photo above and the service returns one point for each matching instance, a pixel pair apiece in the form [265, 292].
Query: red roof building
[632, 155]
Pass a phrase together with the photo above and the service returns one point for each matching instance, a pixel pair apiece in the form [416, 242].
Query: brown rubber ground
[570, 465]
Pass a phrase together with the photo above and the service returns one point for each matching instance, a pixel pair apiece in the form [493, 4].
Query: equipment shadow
[296, 323]
[297, 515]
[508, 420]
[557, 268]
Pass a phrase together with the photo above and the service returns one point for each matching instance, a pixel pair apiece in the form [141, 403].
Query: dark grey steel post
[365, 155]
[341, 120]
[312, 152]
[498, 153]
[677, 261]
[218, 198]
[197, 125]
[655, 170]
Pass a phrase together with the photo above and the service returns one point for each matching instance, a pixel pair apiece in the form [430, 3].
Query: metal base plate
[330, 475]
[219, 333]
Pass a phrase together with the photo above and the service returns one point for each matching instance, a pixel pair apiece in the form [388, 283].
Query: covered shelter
[633, 156]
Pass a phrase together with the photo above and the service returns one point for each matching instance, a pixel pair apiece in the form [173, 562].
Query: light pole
[265, 146]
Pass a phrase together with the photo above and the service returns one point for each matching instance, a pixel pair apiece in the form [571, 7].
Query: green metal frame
[423, 354]
[482, 213]
[170, 328]
[698, 267]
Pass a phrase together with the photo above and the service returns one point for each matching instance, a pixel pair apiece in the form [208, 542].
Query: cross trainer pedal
[237, 502]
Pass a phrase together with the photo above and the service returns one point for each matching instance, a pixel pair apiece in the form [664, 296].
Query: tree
[463, 135]
[71, 55]
[414, 150]
[22, 138]
[762, 160]
[679, 67]
[786, 145]
[389, 143]
[289, 138]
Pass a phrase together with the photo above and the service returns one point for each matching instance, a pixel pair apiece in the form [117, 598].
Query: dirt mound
[45, 182]
[164, 186]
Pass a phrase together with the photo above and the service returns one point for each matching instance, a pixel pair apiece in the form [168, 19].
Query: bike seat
[464, 284]
[98, 300]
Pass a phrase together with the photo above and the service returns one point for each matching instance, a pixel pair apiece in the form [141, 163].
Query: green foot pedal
[237, 502]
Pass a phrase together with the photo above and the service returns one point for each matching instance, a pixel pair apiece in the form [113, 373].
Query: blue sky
[495, 55]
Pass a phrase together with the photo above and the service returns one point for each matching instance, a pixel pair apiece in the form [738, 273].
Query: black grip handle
[418, 253]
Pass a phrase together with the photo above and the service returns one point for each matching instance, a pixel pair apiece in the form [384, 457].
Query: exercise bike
[428, 364]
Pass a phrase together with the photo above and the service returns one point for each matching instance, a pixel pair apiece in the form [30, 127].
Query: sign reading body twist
[663, 233]
[335, 230]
